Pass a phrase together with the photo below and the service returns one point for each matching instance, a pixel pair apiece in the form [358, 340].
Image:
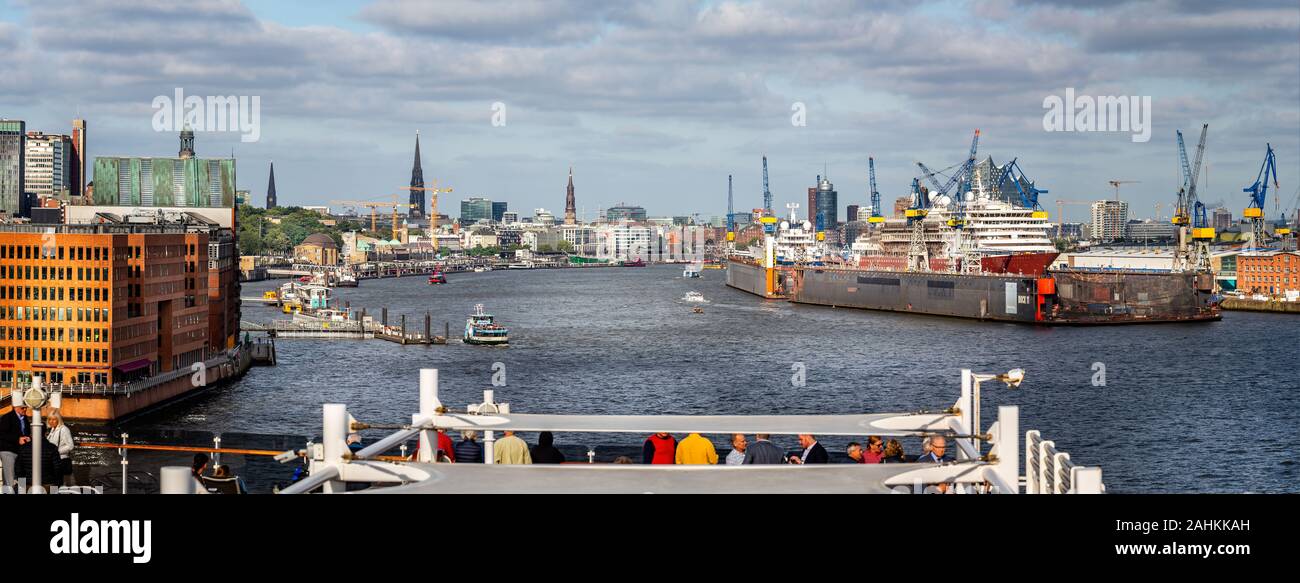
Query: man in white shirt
[737, 455]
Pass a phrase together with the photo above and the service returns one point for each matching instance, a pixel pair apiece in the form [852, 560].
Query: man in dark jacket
[468, 450]
[545, 451]
[15, 433]
[813, 452]
[763, 451]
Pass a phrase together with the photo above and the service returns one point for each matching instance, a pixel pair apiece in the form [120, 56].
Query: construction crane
[1259, 193]
[433, 192]
[374, 215]
[767, 194]
[1115, 184]
[875, 217]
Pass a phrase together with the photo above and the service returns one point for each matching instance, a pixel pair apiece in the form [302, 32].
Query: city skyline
[343, 87]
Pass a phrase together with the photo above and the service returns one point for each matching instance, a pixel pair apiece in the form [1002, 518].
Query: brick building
[1273, 272]
[102, 304]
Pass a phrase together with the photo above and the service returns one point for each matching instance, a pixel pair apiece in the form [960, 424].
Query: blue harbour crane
[875, 217]
[1258, 194]
[767, 194]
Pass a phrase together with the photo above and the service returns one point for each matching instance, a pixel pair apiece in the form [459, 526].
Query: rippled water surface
[1185, 407]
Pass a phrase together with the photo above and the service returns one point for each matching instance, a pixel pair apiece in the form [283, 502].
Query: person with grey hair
[61, 438]
[737, 455]
[468, 450]
[935, 447]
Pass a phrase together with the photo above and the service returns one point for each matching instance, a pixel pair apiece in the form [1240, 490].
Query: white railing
[1048, 471]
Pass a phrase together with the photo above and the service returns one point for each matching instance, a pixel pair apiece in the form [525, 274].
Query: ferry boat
[346, 279]
[481, 328]
[437, 278]
[521, 265]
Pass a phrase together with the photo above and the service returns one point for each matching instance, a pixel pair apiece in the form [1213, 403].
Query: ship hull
[1051, 298]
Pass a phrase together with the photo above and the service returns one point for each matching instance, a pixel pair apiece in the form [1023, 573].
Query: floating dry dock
[1045, 297]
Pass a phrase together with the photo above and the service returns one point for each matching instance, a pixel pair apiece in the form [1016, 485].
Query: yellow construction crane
[374, 216]
[433, 192]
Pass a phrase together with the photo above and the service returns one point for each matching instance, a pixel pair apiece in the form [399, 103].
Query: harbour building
[13, 153]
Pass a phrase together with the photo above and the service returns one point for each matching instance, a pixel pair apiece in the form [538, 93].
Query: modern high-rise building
[812, 204]
[853, 213]
[13, 153]
[48, 165]
[498, 211]
[625, 212]
[570, 204]
[78, 171]
[510, 217]
[417, 199]
[827, 215]
[270, 188]
[473, 210]
[1109, 220]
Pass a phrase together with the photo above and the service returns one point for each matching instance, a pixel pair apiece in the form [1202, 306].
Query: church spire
[570, 206]
[417, 182]
[270, 188]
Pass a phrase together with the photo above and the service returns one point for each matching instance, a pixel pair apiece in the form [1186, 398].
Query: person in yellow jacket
[696, 450]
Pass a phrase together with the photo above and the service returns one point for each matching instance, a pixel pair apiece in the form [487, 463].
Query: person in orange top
[696, 450]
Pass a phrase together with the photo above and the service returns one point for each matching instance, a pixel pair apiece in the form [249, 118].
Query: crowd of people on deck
[664, 448]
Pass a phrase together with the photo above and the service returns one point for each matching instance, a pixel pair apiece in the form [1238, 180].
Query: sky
[655, 103]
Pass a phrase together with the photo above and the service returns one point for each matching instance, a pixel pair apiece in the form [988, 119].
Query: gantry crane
[1258, 193]
[875, 217]
[767, 194]
[1190, 212]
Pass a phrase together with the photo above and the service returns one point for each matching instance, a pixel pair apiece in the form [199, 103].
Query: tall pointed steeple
[417, 182]
[570, 206]
[270, 188]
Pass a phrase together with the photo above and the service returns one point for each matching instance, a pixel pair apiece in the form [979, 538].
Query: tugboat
[480, 328]
[437, 278]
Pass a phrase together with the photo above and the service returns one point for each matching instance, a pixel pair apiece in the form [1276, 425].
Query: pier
[1248, 305]
[362, 328]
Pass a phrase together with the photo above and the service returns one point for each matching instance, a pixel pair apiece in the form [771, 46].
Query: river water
[1208, 407]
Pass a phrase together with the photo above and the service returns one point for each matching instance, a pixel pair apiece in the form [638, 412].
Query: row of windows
[56, 377]
[53, 252]
[36, 354]
[54, 294]
[43, 314]
[53, 273]
[54, 334]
